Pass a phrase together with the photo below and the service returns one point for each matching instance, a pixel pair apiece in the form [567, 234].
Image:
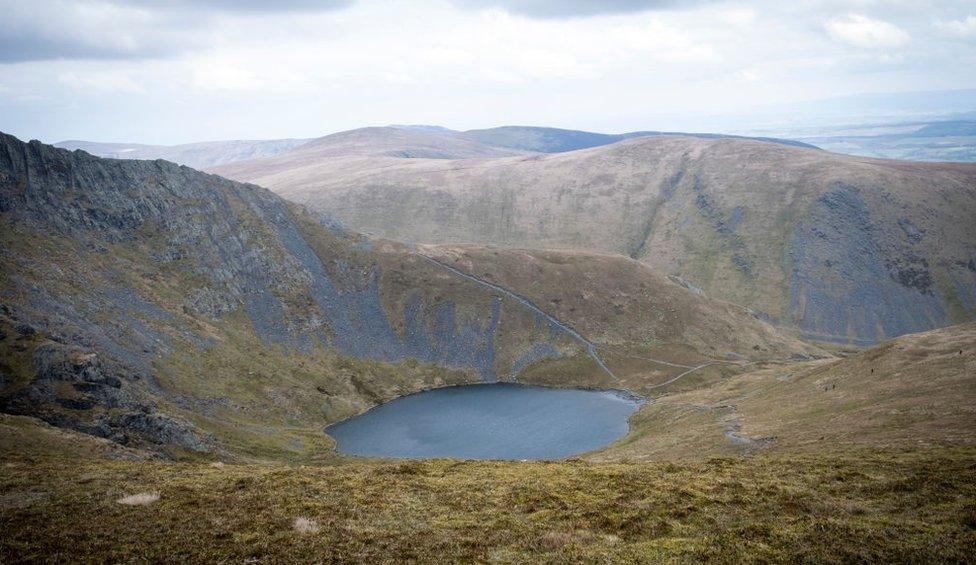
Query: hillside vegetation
[847, 249]
[863, 507]
[917, 392]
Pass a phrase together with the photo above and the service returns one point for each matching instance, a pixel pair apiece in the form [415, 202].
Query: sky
[179, 71]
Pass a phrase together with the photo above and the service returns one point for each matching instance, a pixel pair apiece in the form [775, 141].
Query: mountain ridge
[440, 142]
[782, 230]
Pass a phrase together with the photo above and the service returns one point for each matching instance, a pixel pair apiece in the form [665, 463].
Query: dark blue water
[489, 421]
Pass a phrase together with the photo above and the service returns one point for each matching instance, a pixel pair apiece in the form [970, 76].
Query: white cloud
[38, 30]
[577, 8]
[59, 29]
[746, 75]
[214, 74]
[862, 31]
[740, 17]
[964, 28]
[178, 73]
[101, 82]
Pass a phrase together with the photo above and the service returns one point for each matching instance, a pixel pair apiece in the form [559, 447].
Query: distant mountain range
[439, 143]
[554, 140]
[919, 140]
[197, 155]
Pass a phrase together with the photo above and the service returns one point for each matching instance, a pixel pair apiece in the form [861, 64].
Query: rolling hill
[158, 306]
[433, 142]
[197, 155]
[847, 249]
[555, 140]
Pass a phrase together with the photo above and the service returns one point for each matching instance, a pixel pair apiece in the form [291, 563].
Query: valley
[296, 321]
[487, 281]
[187, 340]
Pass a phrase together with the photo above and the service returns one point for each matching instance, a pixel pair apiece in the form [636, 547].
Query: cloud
[244, 5]
[101, 82]
[964, 28]
[745, 75]
[115, 29]
[862, 31]
[180, 70]
[576, 8]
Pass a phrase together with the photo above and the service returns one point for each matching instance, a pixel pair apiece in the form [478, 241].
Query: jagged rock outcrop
[121, 265]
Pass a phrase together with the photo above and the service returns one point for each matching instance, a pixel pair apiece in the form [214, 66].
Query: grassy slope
[862, 507]
[635, 315]
[862, 466]
[615, 300]
[264, 402]
[917, 391]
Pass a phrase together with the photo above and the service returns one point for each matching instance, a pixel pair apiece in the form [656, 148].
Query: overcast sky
[178, 71]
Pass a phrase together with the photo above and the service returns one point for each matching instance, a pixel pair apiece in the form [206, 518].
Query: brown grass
[868, 506]
[305, 525]
[139, 499]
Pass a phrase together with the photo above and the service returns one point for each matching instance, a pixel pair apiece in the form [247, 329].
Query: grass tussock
[139, 499]
[867, 507]
[305, 525]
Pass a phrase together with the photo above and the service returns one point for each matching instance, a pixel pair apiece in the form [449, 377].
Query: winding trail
[688, 372]
[590, 346]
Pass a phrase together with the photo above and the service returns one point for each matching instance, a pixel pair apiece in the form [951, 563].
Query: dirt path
[590, 346]
[688, 372]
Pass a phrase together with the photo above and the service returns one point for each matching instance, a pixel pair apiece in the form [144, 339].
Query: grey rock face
[215, 248]
[70, 381]
[845, 283]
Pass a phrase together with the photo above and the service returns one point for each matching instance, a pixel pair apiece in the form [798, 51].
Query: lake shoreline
[404, 428]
